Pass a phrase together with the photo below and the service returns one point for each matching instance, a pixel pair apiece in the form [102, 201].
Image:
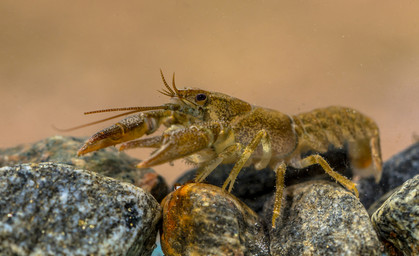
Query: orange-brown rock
[202, 219]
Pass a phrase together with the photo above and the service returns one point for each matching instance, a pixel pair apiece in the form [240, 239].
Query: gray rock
[396, 171]
[321, 218]
[202, 219]
[397, 220]
[377, 204]
[56, 209]
[108, 162]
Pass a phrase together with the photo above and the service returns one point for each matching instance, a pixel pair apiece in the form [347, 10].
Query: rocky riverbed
[54, 203]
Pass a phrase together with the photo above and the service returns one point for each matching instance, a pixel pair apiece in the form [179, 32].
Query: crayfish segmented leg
[303, 163]
[318, 159]
[207, 167]
[280, 186]
[261, 137]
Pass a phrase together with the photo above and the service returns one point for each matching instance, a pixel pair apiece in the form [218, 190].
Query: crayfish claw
[153, 142]
[158, 157]
[130, 128]
[178, 144]
[107, 137]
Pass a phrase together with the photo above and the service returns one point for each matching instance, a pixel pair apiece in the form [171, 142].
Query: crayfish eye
[200, 98]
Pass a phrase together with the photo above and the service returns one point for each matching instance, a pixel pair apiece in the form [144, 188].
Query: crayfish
[210, 128]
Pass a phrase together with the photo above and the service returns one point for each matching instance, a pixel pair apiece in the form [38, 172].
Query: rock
[397, 220]
[252, 187]
[201, 219]
[396, 171]
[377, 204]
[57, 209]
[108, 162]
[321, 218]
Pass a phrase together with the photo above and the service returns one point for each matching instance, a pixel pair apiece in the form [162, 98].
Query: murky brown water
[59, 59]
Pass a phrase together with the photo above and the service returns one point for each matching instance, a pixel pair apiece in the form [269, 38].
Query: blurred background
[59, 59]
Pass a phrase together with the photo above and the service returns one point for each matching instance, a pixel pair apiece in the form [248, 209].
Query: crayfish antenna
[172, 93]
[174, 85]
[93, 123]
[133, 110]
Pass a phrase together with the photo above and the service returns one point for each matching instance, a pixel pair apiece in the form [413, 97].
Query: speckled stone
[321, 218]
[108, 162]
[377, 204]
[57, 209]
[396, 170]
[253, 187]
[201, 219]
[397, 220]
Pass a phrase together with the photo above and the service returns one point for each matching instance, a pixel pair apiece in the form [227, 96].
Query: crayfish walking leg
[303, 163]
[261, 137]
[208, 167]
[317, 159]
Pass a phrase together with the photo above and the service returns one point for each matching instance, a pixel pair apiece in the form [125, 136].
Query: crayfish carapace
[211, 128]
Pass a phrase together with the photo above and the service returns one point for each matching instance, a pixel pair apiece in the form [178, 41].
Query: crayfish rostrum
[211, 128]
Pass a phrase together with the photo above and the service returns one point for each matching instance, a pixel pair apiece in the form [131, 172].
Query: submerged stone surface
[397, 220]
[321, 218]
[252, 186]
[108, 162]
[56, 209]
[201, 219]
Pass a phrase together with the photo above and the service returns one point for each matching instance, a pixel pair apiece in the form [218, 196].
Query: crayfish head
[205, 105]
[214, 106]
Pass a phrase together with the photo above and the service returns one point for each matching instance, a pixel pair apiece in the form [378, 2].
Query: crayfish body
[210, 128]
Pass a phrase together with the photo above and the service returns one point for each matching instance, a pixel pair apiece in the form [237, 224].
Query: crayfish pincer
[210, 128]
